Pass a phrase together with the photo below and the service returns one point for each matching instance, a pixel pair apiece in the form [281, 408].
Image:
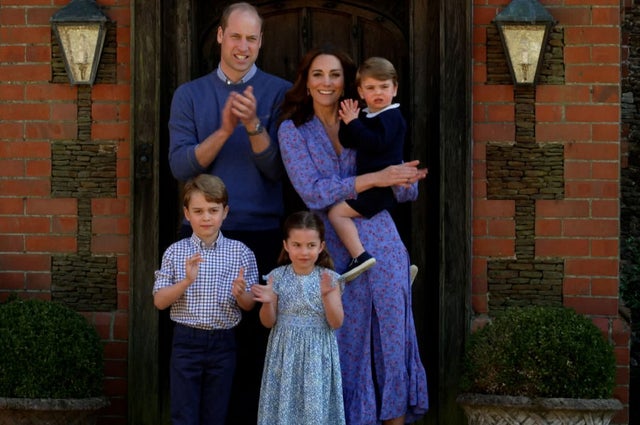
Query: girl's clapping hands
[264, 293]
[326, 284]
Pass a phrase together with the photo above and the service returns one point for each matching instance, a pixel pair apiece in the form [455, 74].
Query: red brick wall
[34, 226]
[584, 115]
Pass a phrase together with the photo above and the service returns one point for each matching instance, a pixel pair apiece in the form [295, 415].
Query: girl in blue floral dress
[301, 303]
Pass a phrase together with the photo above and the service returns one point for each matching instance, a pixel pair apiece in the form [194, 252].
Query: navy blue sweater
[378, 139]
[253, 181]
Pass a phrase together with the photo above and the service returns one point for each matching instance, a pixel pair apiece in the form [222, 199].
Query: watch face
[258, 129]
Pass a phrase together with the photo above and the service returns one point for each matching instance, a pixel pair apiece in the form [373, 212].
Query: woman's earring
[308, 92]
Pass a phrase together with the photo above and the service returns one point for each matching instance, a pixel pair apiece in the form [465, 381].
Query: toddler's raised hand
[349, 110]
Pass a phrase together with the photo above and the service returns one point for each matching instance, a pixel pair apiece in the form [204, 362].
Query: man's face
[240, 43]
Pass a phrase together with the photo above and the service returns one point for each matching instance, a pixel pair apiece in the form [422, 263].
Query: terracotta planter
[482, 409]
[26, 411]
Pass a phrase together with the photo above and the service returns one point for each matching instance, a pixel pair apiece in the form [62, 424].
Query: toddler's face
[378, 94]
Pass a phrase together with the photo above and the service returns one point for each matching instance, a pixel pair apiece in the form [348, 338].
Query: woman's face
[325, 81]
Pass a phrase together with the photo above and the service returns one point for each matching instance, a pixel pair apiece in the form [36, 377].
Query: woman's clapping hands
[404, 174]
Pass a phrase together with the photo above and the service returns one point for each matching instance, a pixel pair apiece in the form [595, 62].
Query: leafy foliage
[630, 274]
[540, 352]
[48, 350]
[630, 294]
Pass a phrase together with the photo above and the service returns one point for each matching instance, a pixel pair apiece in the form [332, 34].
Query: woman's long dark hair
[298, 105]
[305, 220]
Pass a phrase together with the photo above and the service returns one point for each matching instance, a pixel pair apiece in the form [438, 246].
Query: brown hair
[242, 6]
[298, 105]
[212, 187]
[305, 220]
[378, 68]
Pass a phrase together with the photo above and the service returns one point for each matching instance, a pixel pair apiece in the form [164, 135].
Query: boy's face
[205, 217]
[378, 94]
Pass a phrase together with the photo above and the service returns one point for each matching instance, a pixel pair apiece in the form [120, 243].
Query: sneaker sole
[357, 271]
[413, 271]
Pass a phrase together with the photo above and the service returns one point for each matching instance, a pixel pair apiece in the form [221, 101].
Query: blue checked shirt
[208, 302]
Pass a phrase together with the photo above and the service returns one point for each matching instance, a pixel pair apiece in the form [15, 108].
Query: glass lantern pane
[524, 46]
[79, 45]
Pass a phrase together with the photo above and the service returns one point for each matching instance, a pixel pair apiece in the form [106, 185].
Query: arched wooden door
[293, 27]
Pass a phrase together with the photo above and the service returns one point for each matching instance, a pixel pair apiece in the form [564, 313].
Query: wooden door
[293, 27]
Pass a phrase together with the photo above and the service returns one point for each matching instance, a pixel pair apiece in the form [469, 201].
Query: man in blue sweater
[225, 124]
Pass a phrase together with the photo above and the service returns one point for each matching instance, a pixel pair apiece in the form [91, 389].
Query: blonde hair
[377, 68]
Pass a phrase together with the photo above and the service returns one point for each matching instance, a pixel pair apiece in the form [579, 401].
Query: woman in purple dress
[383, 378]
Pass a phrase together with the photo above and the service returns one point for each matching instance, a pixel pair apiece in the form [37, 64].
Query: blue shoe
[357, 266]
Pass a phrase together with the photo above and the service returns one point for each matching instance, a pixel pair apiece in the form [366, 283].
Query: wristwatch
[258, 129]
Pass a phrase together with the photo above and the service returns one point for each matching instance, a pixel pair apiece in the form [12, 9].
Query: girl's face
[325, 81]
[377, 93]
[304, 246]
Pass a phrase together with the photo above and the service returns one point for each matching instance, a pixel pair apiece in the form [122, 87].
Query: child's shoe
[358, 265]
[413, 271]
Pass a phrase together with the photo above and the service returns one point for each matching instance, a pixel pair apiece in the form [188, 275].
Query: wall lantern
[80, 28]
[524, 27]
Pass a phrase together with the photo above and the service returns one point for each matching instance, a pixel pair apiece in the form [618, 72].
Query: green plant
[539, 352]
[630, 274]
[48, 350]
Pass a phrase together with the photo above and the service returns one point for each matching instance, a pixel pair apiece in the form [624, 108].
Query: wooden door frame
[442, 54]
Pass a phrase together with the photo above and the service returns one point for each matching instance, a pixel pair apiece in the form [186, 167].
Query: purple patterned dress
[378, 336]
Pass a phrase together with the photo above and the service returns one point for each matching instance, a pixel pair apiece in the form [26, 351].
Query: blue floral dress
[301, 382]
[382, 374]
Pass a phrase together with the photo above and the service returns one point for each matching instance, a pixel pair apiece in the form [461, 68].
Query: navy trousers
[202, 367]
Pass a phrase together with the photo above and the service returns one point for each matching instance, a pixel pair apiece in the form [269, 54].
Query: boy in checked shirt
[205, 280]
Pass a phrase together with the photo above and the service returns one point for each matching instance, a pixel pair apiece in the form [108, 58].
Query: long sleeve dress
[382, 374]
[301, 382]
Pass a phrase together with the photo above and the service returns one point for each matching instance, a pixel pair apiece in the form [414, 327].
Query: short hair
[212, 187]
[242, 6]
[378, 68]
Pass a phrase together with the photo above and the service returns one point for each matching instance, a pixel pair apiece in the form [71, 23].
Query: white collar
[373, 114]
